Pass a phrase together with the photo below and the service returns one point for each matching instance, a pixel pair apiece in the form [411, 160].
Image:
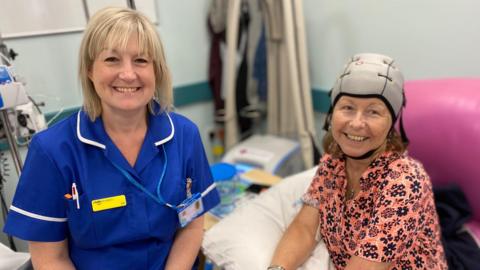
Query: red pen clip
[75, 196]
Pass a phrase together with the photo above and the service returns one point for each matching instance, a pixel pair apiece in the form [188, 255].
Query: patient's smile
[356, 138]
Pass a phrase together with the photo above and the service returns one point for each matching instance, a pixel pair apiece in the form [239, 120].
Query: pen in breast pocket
[188, 186]
[75, 196]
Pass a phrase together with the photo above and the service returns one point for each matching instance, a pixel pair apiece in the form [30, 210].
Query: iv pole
[10, 139]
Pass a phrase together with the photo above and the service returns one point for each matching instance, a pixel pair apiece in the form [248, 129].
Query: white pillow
[12, 260]
[247, 238]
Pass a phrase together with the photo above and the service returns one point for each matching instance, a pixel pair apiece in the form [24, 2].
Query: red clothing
[391, 219]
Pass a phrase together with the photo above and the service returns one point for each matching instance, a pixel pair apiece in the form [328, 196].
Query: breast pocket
[94, 229]
[121, 224]
[80, 223]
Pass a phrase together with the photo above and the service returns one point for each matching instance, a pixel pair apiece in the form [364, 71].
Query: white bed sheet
[246, 239]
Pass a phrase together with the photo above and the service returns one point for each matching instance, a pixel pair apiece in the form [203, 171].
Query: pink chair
[442, 121]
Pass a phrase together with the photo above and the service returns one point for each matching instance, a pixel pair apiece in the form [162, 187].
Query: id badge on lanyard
[187, 210]
[190, 209]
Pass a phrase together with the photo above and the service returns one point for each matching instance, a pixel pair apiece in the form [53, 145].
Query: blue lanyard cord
[159, 199]
[159, 194]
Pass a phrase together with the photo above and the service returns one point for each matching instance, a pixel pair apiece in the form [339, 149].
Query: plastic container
[224, 175]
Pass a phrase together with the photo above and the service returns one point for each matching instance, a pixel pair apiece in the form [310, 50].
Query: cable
[55, 116]
[34, 103]
[59, 112]
[9, 63]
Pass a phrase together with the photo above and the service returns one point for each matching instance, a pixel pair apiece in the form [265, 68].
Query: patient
[369, 201]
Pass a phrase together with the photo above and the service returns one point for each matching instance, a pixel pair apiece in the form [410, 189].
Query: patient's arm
[298, 242]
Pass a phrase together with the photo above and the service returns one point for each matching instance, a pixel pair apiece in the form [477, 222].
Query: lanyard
[159, 199]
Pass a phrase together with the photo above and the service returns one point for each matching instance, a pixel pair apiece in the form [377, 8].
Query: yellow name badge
[109, 203]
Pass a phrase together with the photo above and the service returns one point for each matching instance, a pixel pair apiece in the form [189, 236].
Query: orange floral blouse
[392, 218]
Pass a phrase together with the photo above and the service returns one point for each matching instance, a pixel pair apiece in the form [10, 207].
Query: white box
[12, 95]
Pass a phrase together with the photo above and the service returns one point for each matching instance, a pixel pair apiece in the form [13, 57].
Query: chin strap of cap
[402, 129]
[364, 156]
[403, 133]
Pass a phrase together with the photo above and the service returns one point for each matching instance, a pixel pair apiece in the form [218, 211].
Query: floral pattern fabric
[391, 219]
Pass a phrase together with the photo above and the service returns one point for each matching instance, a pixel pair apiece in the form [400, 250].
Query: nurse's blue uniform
[138, 235]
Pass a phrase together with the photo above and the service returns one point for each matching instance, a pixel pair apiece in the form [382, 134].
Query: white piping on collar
[171, 133]
[36, 216]
[85, 140]
[94, 143]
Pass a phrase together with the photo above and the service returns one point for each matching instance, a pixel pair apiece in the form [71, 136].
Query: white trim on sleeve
[210, 188]
[36, 216]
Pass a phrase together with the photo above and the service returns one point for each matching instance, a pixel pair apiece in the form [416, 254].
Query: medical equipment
[29, 118]
[18, 117]
[270, 153]
[250, 164]
[23, 114]
[11, 93]
[289, 102]
[5, 76]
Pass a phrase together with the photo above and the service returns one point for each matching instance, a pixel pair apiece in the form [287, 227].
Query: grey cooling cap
[371, 75]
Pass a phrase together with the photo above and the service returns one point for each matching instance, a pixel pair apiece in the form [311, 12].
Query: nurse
[123, 183]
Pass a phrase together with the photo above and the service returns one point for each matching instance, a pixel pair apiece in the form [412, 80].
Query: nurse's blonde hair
[111, 28]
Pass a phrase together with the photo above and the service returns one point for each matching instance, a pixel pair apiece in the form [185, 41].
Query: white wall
[183, 29]
[49, 63]
[428, 39]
